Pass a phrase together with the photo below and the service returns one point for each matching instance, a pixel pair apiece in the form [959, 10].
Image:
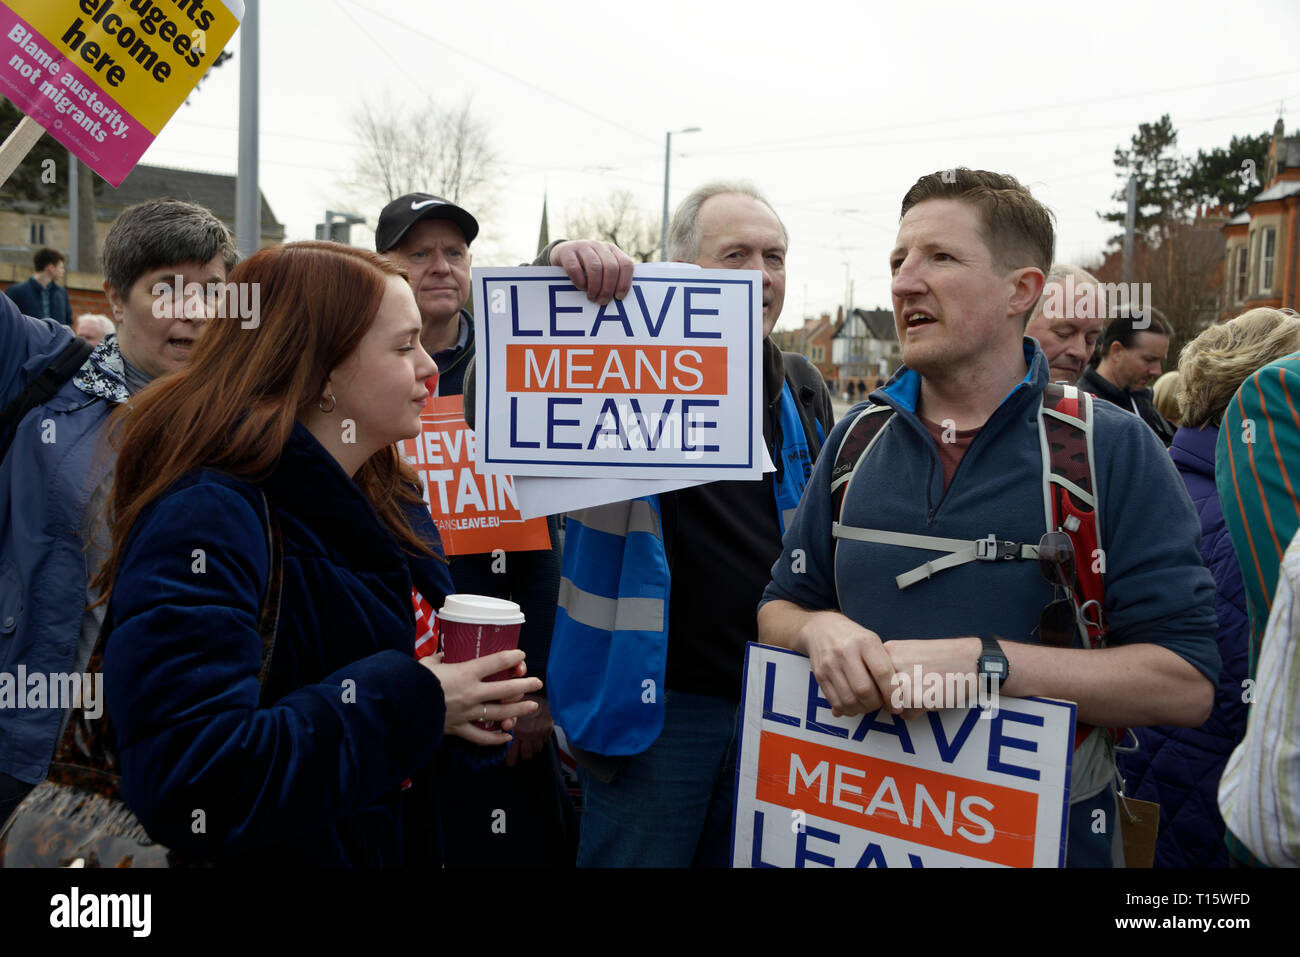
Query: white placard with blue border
[985, 786]
[663, 384]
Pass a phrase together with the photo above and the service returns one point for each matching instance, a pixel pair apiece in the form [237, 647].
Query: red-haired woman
[291, 423]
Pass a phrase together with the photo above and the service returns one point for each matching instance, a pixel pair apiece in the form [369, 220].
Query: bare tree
[424, 148]
[619, 219]
[1185, 271]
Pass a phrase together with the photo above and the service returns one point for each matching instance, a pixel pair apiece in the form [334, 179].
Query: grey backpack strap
[857, 441]
[987, 549]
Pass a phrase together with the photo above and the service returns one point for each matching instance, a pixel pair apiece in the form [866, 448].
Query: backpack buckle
[989, 549]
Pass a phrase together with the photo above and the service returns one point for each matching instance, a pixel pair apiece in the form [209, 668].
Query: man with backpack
[56, 395]
[980, 524]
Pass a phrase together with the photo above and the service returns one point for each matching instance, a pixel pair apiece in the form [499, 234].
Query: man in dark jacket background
[1132, 348]
[41, 296]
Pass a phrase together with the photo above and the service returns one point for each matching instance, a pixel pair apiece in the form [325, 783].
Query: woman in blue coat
[1180, 767]
[290, 423]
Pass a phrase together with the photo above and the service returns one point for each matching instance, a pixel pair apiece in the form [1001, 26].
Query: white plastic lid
[480, 610]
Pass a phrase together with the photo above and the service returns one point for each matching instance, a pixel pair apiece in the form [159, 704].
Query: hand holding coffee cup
[473, 626]
[470, 698]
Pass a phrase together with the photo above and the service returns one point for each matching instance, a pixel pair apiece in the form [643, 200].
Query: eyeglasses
[1058, 621]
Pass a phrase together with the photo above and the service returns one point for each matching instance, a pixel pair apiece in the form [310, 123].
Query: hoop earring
[321, 404]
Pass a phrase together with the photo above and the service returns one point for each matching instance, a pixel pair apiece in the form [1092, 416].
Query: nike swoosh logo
[421, 205]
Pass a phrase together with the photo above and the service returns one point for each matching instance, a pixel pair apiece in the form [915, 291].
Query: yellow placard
[146, 54]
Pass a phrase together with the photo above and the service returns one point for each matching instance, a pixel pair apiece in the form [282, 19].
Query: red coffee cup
[471, 626]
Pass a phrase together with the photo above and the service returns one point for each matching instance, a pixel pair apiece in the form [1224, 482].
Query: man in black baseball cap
[430, 236]
[405, 211]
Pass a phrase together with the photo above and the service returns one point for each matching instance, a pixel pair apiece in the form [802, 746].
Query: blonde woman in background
[1180, 767]
[1166, 396]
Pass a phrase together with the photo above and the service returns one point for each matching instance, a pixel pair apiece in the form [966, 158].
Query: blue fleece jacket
[1157, 590]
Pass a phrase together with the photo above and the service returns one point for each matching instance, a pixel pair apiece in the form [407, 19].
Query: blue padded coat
[314, 776]
[1180, 767]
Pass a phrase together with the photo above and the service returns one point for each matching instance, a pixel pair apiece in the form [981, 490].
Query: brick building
[813, 340]
[24, 228]
[1263, 242]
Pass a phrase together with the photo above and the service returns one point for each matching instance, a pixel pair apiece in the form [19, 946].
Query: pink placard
[70, 105]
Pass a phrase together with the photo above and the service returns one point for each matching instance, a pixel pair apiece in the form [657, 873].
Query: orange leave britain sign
[475, 513]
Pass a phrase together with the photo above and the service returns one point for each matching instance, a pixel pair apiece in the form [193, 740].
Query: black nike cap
[405, 211]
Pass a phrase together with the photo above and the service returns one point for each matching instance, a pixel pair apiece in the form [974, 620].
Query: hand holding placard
[660, 384]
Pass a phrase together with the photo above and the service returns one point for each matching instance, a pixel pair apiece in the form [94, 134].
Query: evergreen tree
[1230, 177]
[1153, 158]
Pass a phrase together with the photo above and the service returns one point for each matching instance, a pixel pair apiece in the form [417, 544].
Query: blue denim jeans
[670, 806]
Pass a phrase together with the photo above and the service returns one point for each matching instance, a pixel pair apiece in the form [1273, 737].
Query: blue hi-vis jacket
[609, 652]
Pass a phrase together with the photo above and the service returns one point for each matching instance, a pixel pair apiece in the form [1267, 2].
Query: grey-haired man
[658, 779]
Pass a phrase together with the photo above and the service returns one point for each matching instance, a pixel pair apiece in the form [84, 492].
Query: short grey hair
[1057, 274]
[163, 232]
[106, 326]
[684, 230]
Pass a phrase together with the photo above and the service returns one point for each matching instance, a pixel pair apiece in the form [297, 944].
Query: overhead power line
[488, 65]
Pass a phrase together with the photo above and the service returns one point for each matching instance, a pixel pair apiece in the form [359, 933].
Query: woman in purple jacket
[1179, 768]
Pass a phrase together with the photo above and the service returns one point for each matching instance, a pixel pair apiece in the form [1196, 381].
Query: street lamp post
[248, 199]
[668, 148]
[327, 230]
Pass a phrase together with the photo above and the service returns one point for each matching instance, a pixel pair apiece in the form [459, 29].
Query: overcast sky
[831, 108]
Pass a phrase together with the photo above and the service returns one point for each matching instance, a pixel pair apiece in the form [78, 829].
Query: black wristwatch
[992, 662]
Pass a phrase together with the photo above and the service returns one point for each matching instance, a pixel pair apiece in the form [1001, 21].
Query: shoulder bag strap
[269, 619]
[85, 741]
[60, 369]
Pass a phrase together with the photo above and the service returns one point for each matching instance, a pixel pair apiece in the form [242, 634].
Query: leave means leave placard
[662, 384]
[985, 786]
